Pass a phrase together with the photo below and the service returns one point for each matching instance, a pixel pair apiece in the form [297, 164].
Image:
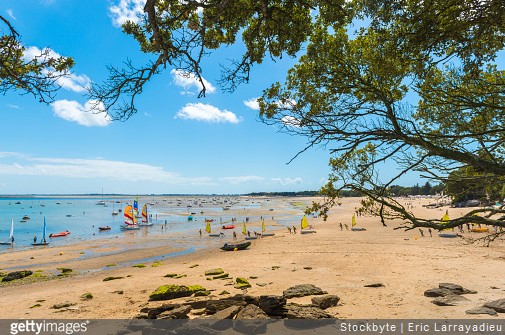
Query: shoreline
[340, 262]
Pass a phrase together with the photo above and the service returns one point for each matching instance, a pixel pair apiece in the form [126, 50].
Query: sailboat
[244, 231]
[43, 240]
[145, 222]
[11, 236]
[353, 224]
[305, 229]
[208, 230]
[130, 220]
[446, 219]
[136, 208]
[264, 228]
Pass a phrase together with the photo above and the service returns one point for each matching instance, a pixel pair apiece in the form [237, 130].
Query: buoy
[61, 253]
[235, 249]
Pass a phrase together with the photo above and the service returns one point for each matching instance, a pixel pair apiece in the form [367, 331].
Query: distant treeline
[397, 190]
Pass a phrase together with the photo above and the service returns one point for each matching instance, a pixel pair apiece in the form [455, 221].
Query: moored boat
[230, 226]
[235, 246]
[60, 234]
[104, 228]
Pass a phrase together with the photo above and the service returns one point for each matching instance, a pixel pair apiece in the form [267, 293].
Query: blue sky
[176, 143]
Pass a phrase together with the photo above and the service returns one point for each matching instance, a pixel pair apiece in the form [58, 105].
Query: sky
[177, 143]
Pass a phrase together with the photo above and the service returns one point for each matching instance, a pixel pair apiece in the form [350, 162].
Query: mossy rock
[168, 292]
[87, 296]
[201, 293]
[156, 264]
[110, 265]
[65, 270]
[139, 266]
[112, 278]
[194, 266]
[224, 292]
[221, 276]
[214, 272]
[36, 305]
[180, 276]
[171, 275]
[242, 283]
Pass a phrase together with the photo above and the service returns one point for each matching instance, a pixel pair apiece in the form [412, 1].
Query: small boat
[235, 246]
[60, 234]
[357, 229]
[130, 219]
[11, 236]
[145, 222]
[448, 235]
[305, 228]
[104, 228]
[230, 226]
[264, 228]
[43, 236]
[208, 230]
[480, 230]
[26, 217]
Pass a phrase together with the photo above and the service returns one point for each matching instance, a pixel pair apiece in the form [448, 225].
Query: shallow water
[82, 216]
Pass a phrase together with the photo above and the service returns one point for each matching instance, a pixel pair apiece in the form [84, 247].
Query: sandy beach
[340, 262]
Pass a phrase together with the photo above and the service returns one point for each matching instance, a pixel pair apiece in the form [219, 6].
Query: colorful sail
[207, 227]
[244, 229]
[353, 221]
[129, 217]
[144, 213]
[263, 226]
[305, 223]
[446, 218]
[136, 206]
[44, 229]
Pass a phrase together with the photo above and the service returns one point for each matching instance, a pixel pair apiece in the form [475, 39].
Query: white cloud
[127, 10]
[75, 112]
[12, 106]
[242, 179]
[189, 81]
[287, 181]
[19, 164]
[252, 104]
[75, 83]
[10, 13]
[70, 81]
[206, 113]
[291, 121]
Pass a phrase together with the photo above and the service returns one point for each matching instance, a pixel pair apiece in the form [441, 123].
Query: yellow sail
[446, 218]
[244, 229]
[263, 226]
[353, 221]
[207, 227]
[305, 223]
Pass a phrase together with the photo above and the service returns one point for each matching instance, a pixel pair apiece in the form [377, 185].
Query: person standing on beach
[35, 239]
[200, 232]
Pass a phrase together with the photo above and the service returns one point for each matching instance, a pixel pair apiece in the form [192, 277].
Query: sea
[82, 215]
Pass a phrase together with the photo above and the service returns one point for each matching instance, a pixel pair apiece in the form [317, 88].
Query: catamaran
[264, 228]
[11, 236]
[130, 219]
[145, 222]
[43, 240]
[306, 229]
[208, 230]
[353, 224]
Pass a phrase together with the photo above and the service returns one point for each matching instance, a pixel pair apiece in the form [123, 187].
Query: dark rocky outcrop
[450, 300]
[17, 275]
[168, 292]
[497, 305]
[325, 301]
[302, 291]
[176, 313]
[482, 310]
